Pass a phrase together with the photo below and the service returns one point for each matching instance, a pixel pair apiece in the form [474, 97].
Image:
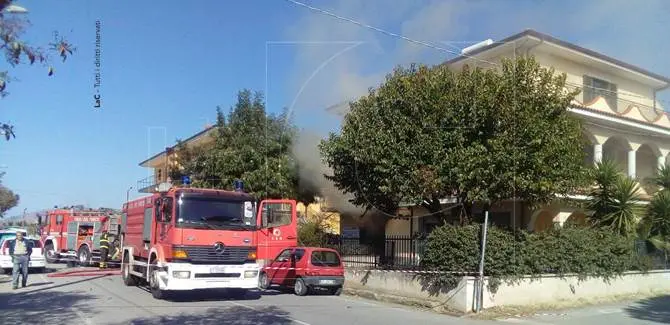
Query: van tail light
[308, 273]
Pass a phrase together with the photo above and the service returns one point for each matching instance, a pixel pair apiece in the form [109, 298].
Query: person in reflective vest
[104, 249]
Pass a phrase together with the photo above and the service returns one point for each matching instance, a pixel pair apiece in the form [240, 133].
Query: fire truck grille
[208, 254]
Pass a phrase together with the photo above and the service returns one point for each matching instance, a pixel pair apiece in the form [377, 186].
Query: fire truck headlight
[179, 254]
[250, 274]
[251, 255]
[181, 274]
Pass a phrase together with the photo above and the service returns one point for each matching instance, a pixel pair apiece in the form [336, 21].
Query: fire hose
[84, 272]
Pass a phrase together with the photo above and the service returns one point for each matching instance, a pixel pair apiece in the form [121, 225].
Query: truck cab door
[277, 221]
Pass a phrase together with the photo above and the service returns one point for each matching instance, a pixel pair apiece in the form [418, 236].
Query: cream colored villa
[618, 104]
[624, 121]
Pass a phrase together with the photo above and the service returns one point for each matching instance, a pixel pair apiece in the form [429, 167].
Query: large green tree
[479, 134]
[251, 145]
[8, 199]
[13, 24]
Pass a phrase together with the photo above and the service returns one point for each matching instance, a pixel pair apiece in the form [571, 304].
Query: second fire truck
[74, 234]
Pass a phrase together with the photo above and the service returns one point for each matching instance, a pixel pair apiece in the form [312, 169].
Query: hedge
[586, 252]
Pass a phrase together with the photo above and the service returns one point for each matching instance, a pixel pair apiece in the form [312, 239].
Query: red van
[303, 269]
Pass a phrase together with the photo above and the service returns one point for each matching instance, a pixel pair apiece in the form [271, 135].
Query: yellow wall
[314, 212]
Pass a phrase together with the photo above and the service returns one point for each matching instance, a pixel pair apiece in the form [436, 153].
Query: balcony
[147, 185]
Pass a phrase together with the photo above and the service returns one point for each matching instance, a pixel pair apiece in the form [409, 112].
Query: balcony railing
[147, 185]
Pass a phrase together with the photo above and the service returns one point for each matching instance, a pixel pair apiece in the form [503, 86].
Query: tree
[250, 145]
[615, 201]
[8, 199]
[17, 51]
[655, 225]
[481, 135]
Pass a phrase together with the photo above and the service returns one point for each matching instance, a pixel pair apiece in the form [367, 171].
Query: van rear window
[325, 258]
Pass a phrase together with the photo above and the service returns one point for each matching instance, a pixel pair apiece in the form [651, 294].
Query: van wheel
[50, 253]
[300, 288]
[264, 281]
[84, 256]
[128, 279]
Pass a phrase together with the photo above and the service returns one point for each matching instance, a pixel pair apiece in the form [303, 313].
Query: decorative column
[597, 153]
[631, 162]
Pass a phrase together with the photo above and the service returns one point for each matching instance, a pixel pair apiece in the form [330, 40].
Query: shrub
[310, 233]
[513, 255]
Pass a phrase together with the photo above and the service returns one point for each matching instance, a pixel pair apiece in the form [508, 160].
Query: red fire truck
[70, 234]
[183, 238]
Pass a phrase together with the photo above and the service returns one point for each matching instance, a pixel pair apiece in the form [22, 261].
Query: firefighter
[116, 250]
[104, 249]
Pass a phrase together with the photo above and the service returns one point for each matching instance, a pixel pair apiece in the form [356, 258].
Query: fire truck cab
[73, 234]
[191, 238]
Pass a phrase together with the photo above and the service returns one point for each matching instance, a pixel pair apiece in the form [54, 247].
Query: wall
[406, 288]
[554, 290]
[549, 290]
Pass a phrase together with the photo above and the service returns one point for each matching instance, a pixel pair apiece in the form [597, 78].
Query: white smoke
[622, 29]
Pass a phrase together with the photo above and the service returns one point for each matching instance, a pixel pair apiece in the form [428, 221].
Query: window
[298, 253]
[59, 219]
[283, 256]
[36, 243]
[276, 214]
[594, 87]
[501, 219]
[325, 258]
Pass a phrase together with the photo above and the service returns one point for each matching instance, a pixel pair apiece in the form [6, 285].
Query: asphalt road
[645, 311]
[105, 300]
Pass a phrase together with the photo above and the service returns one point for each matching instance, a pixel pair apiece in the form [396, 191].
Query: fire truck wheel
[264, 281]
[156, 292]
[128, 279]
[300, 288]
[84, 256]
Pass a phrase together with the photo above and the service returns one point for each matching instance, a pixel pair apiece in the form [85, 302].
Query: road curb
[401, 300]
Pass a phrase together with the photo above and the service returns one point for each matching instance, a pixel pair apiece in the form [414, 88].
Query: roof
[193, 137]
[551, 39]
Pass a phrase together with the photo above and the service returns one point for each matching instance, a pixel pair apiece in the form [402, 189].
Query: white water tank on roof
[476, 46]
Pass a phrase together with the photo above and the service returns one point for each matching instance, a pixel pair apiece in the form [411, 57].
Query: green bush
[311, 234]
[513, 255]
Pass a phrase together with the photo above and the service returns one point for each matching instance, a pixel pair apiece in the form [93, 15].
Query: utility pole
[480, 285]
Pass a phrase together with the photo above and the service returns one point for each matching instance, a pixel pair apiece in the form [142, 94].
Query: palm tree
[615, 202]
[655, 227]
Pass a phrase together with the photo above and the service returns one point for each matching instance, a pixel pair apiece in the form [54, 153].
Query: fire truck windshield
[213, 213]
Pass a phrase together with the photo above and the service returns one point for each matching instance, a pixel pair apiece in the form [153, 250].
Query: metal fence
[657, 257]
[406, 252]
[397, 252]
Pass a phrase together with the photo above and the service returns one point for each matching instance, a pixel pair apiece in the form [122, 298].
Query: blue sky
[166, 68]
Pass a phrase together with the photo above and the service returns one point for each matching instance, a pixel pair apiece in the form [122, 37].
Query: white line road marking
[284, 317]
[611, 311]
[521, 321]
[82, 316]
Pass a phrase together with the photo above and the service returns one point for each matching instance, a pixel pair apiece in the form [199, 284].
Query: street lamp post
[128, 194]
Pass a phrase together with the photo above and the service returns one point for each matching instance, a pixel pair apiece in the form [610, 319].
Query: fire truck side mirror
[167, 209]
[39, 220]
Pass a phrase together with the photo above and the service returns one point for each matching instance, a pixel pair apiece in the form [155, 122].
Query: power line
[325, 12]
[426, 44]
